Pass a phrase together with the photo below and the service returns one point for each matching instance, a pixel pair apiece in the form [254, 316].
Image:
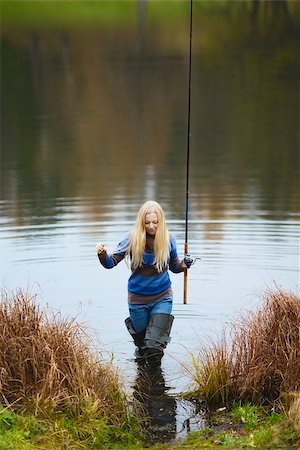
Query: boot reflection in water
[150, 250]
[154, 405]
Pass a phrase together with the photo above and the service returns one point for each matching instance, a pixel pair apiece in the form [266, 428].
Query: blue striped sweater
[146, 284]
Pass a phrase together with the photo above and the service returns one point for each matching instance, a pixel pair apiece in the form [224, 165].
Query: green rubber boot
[138, 339]
[157, 337]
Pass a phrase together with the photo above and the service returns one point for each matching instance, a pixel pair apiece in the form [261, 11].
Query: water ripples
[55, 255]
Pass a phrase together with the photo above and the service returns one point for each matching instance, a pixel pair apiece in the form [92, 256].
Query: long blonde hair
[138, 237]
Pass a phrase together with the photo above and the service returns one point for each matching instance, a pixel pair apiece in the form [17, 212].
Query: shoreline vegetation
[50, 371]
[57, 392]
[125, 12]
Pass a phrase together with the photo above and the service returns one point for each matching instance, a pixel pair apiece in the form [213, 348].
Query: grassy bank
[257, 359]
[58, 393]
[244, 426]
[68, 13]
[257, 364]
[88, 13]
[60, 431]
[55, 390]
[241, 427]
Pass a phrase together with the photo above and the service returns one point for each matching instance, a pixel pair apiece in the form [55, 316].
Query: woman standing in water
[151, 251]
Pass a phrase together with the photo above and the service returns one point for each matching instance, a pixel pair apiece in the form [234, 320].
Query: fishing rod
[187, 258]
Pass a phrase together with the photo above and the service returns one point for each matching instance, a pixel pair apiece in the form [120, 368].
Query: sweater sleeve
[111, 260]
[175, 264]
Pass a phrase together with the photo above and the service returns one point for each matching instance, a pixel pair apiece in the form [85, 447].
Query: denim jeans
[140, 314]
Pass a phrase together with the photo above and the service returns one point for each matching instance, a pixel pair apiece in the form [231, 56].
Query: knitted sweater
[146, 284]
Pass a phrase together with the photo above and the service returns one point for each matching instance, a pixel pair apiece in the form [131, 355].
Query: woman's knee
[139, 318]
[163, 306]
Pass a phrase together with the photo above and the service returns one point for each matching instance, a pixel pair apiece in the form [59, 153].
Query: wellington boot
[158, 331]
[138, 338]
[157, 337]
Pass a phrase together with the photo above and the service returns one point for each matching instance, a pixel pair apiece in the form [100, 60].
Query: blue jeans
[140, 314]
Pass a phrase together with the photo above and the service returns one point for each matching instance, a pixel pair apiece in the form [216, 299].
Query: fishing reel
[189, 261]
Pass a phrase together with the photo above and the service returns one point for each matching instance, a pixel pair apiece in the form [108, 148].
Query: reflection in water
[152, 401]
[95, 133]
[167, 417]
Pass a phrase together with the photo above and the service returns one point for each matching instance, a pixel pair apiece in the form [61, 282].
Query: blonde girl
[151, 252]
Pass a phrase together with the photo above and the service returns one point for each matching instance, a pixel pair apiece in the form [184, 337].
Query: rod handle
[185, 278]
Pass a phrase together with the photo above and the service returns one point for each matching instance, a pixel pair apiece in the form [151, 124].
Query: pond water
[94, 123]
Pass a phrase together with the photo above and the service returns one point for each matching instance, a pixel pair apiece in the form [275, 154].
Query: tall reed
[47, 363]
[259, 360]
[266, 349]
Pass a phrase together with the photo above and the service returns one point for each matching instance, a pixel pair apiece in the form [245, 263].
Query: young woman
[151, 251]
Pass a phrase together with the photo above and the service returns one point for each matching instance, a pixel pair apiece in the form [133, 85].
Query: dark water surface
[94, 123]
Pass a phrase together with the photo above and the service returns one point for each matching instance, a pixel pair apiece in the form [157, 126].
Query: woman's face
[151, 223]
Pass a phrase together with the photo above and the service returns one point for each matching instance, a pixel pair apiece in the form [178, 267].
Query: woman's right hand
[100, 247]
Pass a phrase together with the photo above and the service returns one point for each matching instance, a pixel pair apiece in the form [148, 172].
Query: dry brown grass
[266, 349]
[260, 361]
[211, 372]
[46, 363]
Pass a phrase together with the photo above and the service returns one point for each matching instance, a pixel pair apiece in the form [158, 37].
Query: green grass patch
[248, 414]
[89, 12]
[67, 12]
[19, 432]
[245, 426]
[106, 12]
[24, 432]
